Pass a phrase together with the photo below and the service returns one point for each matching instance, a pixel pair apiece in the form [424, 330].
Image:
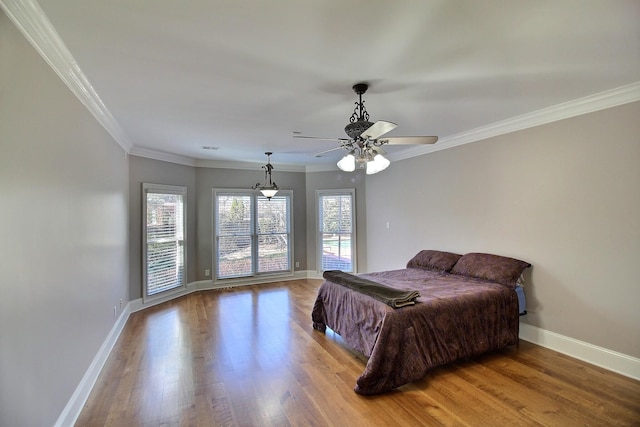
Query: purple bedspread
[456, 317]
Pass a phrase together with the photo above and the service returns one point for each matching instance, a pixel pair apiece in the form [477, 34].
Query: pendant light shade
[268, 192]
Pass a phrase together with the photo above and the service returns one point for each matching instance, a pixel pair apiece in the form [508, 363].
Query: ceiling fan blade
[325, 152]
[321, 138]
[409, 140]
[378, 129]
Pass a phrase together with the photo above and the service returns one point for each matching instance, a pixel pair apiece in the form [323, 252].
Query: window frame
[319, 241]
[163, 189]
[255, 195]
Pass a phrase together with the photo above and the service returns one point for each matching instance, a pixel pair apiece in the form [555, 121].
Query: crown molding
[32, 22]
[227, 164]
[326, 167]
[150, 153]
[588, 104]
[34, 25]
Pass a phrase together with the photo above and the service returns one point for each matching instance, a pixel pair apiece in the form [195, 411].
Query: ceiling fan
[365, 142]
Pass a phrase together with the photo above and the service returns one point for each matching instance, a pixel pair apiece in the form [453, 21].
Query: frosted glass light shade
[379, 163]
[347, 163]
[268, 192]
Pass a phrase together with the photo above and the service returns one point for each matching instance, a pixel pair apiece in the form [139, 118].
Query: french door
[252, 234]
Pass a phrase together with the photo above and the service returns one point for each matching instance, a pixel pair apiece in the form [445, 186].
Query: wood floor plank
[249, 356]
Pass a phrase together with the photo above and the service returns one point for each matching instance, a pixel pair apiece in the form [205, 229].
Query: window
[164, 226]
[252, 234]
[336, 230]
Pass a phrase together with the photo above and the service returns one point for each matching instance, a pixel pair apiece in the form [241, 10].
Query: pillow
[433, 260]
[490, 267]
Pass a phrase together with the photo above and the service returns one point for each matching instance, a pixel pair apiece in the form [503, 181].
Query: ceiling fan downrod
[359, 113]
[359, 120]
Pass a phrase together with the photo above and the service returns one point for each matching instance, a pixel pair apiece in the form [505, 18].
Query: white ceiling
[242, 76]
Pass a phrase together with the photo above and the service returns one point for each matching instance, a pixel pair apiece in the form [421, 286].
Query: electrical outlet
[297, 264]
[207, 272]
[121, 302]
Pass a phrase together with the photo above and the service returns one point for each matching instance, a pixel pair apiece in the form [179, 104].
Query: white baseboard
[204, 285]
[608, 359]
[141, 304]
[73, 408]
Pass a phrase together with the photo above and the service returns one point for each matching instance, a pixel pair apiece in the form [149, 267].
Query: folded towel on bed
[393, 297]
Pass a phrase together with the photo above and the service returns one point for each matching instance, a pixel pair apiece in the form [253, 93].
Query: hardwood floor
[249, 357]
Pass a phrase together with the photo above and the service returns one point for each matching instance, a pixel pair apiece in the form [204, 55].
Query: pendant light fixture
[269, 188]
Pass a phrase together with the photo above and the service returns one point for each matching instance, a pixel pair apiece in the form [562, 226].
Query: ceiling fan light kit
[269, 188]
[369, 159]
[364, 145]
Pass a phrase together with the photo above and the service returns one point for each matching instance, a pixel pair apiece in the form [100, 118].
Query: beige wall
[143, 170]
[564, 196]
[208, 178]
[200, 183]
[333, 180]
[63, 228]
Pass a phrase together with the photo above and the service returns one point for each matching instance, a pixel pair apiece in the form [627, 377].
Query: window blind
[336, 232]
[164, 240]
[252, 234]
[234, 225]
[273, 234]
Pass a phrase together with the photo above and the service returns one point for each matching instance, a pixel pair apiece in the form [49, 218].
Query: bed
[467, 305]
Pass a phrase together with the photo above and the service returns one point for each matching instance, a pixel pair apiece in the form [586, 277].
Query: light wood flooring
[249, 356]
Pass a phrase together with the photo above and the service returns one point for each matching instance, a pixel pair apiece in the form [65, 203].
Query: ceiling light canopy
[269, 188]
